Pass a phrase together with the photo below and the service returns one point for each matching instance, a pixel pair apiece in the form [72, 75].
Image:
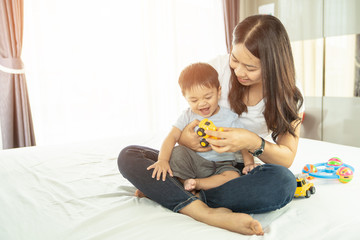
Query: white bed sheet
[76, 192]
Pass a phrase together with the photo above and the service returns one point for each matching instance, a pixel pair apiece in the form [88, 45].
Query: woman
[263, 92]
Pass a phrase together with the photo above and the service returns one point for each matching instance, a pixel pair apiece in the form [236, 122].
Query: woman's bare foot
[139, 194]
[190, 184]
[237, 222]
[243, 223]
[223, 218]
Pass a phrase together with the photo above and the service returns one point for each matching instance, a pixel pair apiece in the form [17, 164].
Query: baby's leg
[210, 182]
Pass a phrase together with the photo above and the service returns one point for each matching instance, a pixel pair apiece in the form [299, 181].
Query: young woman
[259, 79]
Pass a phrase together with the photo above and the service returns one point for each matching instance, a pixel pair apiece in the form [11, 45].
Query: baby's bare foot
[190, 184]
[139, 194]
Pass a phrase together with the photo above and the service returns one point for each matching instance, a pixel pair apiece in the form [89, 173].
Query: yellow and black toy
[206, 124]
[304, 188]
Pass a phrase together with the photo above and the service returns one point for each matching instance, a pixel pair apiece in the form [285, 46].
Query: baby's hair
[198, 74]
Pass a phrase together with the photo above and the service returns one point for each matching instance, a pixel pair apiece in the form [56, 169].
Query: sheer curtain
[231, 9]
[110, 68]
[15, 114]
[308, 59]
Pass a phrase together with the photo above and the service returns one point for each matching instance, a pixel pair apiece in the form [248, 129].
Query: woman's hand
[160, 168]
[230, 140]
[190, 139]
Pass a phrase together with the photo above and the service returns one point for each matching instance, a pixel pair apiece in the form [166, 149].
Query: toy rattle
[206, 124]
[334, 168]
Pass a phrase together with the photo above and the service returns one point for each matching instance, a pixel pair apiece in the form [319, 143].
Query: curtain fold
[15, 113]
[231, 18]
[357, 66]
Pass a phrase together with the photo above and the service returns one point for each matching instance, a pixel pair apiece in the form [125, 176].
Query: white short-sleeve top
[252, 120]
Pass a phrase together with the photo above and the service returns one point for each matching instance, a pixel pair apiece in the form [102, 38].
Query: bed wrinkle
[114, 195]
[150, 225]
[342, 229]
[125, 207]
[109, 174]
[267, 218]
[74, 193]
[140, 219]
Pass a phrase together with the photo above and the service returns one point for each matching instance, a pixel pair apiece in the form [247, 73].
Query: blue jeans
[266, 188]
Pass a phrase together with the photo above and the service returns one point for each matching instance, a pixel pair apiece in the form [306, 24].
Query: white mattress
[77, 192]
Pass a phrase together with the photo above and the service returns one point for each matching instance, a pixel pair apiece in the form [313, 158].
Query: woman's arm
[284, 151]
[234, 139]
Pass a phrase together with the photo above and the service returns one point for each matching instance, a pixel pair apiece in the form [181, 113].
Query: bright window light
[99, 69]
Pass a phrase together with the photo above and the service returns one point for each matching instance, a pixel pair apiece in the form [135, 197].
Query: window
[110, 68]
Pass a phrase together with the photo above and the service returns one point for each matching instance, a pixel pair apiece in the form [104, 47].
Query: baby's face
[203, 100]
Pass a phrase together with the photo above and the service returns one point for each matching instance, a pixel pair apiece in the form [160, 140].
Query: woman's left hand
[230, 140]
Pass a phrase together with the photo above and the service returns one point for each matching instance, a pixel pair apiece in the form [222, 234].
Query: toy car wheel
[308, 194]
[312, 190]
[204, 143]
[201, 132]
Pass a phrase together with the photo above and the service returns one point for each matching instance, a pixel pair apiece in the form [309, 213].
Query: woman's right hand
[233, 139]
[190, 139]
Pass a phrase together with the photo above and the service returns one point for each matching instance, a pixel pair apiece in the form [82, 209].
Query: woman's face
[246, 66]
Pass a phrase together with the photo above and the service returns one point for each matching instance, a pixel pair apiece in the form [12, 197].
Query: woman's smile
[243, 80]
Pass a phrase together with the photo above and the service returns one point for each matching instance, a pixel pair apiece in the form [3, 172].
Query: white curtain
[99, 69]
[308, 58]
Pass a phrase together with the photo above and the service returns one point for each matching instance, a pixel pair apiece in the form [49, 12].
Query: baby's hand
[160, 167]
[249, 167]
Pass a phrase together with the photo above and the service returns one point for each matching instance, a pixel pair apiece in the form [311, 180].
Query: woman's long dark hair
[266, 38]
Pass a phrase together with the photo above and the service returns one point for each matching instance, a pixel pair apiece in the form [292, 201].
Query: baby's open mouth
[205, 111]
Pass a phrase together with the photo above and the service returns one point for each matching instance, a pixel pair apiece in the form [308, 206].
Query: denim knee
[123, 159]
[287, 178]
[266, 188]
[283, 182]
[127, 157]
[133, 162]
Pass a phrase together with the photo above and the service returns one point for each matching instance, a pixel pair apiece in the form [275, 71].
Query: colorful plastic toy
[206, 124]
[304, 188]
[345, 174]
[334, 168]
[310, 168]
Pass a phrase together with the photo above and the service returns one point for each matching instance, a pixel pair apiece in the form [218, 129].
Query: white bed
[77, 192]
